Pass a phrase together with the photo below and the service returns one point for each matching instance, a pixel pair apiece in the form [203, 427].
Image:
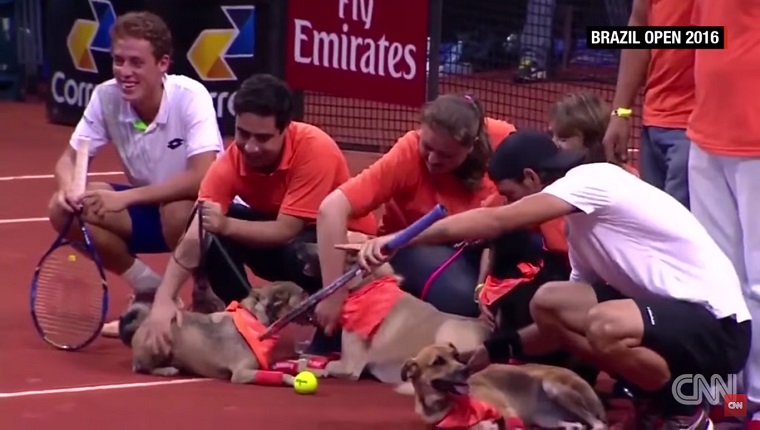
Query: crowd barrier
[361, 68]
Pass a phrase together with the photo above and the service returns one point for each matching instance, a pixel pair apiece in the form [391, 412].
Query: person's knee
[613, 325]
[549, 300]
[454, 296]
[58, 216]
[174, 220]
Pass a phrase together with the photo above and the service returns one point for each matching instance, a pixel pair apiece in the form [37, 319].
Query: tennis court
[41, 387]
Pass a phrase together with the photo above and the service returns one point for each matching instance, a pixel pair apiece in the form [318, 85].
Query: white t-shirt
[185, 126]
[643, 242]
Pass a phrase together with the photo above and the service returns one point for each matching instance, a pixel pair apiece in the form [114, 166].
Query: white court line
[100, 388]
[21, 220]
[18, 178]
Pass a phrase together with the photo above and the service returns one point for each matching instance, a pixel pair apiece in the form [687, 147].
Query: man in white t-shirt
[165, 131]
[650, 297]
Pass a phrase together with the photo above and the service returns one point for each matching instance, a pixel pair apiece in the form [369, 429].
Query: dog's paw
[165, 371]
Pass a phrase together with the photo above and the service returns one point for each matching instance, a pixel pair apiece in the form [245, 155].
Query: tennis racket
[69, 293]
[399, 241]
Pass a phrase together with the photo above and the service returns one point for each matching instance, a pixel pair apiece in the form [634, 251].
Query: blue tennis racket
[69, 293]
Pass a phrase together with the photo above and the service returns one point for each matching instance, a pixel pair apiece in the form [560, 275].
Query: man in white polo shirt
[165, 131]
[650, 297]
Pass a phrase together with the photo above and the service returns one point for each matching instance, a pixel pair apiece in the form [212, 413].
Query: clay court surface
[41, 387]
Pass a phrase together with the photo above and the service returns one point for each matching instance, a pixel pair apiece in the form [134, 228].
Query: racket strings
[69, 297]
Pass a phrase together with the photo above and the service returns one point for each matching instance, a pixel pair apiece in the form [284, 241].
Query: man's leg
[536, 41]
[673, 147]
[652, 165]
[453, 289]
[713, 183]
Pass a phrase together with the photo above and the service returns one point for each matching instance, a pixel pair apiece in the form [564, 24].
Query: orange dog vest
[494, 289]
[365, 309]
[466, 412]
[250, 328]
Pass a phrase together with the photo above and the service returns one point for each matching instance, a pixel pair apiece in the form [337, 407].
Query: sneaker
[111, 328]
[530, 71]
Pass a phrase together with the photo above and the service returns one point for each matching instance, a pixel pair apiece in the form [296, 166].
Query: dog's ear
[410, 370]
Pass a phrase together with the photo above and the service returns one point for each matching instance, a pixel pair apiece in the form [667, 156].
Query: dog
[221, 345]
[383, 326]
[522, 396]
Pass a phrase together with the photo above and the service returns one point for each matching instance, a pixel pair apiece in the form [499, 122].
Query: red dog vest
[466, 412]
[365, 309]
[250, 328]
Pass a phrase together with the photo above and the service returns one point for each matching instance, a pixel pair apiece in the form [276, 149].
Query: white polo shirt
[184, 126]
[643, 242]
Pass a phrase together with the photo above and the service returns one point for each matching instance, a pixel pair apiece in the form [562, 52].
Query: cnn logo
[735, 405]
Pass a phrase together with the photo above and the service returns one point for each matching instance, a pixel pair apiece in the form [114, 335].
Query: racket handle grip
[405, 236]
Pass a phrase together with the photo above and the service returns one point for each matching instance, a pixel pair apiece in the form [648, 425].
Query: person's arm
[488, 223]
[179, 268]
[91, 126]
[204, 142]
[633, 62]
[357, 197]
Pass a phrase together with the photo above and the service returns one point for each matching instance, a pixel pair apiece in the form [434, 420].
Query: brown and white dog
[383, 326]
[221, 345]
[523, 396]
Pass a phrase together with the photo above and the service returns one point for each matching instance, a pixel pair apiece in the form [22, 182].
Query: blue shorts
[147, 234]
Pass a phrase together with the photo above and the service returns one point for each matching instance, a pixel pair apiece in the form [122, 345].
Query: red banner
[364, 49]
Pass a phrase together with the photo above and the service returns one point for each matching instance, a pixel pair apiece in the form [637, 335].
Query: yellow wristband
[623, 112]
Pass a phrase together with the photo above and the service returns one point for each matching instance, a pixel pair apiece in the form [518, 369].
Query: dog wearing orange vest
[499, 396]
[383, 326]
[221, 345]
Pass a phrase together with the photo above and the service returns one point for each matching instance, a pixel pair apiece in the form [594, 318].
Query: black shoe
[530, 71]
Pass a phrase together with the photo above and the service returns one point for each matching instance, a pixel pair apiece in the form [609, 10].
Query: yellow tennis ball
[72, 258]
[305, 383]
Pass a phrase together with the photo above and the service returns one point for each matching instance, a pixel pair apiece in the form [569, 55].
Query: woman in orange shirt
[443, 161]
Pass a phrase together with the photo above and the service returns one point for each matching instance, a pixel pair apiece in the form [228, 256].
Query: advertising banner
[79, 52]
[215, 43]
[364, 49]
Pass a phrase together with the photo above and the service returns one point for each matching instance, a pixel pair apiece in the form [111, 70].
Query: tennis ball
[305, 383]
[72, 258]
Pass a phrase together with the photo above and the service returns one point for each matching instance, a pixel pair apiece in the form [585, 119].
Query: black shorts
[688, 336]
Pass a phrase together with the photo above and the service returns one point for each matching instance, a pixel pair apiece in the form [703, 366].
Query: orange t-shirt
[727, 81]
[669, 90]
[312, 166]
[401, 179]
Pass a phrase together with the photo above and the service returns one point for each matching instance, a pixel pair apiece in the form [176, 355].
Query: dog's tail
[131, 320]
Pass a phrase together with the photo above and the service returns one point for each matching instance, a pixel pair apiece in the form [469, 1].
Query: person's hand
[214, 220]
[101, 202]
[158, 326]
[487, 316]
[475, 360]
[615, 139]
[66, 201]
[327, 312]
[372, 253]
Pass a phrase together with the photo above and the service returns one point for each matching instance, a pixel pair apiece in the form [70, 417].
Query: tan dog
[384, 326]
[526, 395]
[222, 345]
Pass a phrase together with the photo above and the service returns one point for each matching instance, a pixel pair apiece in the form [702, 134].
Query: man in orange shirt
[724, 162]
[282, 170]
[668, 100]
